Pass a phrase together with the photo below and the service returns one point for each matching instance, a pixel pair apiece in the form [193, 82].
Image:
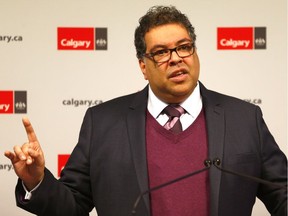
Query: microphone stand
[207, 164]
[217, 163]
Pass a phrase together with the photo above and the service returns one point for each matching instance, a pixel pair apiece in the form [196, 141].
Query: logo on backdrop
[13, 102]
[80, 102]
[6, 167]
[11, 38]
[256, 101]
[82, 38]
[241, 38]
[62, 160]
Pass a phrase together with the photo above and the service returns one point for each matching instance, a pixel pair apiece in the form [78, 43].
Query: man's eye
[161, 52]
[185, 47]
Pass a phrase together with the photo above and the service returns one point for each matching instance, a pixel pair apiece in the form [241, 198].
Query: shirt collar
[192, 105]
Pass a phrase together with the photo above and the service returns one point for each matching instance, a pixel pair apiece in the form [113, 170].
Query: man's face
[172, 81]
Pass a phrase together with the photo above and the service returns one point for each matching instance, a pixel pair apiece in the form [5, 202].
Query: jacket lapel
[215, 127]
[136, 119]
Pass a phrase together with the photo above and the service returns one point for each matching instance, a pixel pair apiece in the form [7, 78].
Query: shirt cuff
[28, 194]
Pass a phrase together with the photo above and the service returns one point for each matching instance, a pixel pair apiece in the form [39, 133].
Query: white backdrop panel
[50, 76]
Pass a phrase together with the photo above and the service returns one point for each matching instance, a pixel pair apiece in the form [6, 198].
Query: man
[129, 144]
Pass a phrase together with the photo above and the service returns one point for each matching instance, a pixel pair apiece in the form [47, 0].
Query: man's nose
[175, 57]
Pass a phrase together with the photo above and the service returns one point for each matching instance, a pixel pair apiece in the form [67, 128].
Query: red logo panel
[75, 38]
[6, 102]
[235, 38]
[62, 160]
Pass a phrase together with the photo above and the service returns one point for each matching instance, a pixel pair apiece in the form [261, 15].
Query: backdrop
[59, 57]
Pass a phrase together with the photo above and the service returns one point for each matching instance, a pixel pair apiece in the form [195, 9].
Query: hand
[28, 160]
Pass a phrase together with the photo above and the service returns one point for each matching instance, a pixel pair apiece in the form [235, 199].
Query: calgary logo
[241, 38]
[13, 102]
[82, 38]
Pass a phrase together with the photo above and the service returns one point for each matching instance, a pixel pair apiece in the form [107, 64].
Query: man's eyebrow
[184, 40]
[157, 46]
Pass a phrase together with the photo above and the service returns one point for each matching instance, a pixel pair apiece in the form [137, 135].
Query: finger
[29, 130]
[35, 157]
[19, 153]
[25, 149]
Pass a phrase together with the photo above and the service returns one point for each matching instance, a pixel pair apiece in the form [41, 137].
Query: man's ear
[142, 66]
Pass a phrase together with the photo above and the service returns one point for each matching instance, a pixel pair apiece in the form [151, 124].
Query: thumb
[11, 156]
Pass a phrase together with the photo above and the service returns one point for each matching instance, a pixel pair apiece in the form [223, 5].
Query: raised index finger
[29, 130]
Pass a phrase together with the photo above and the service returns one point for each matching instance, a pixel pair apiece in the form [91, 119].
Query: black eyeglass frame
[152, 54]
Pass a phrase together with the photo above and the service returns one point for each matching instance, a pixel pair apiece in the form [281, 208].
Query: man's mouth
[179, 73]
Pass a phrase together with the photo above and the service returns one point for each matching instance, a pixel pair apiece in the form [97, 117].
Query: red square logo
[62, 160]
[76, 38]
[235, 38]
[6, 102]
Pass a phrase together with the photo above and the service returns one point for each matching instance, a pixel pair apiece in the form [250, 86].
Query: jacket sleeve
[274, 169]
[71, 195]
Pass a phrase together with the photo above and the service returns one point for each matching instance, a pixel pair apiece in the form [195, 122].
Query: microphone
[207, 164]
[217, 164]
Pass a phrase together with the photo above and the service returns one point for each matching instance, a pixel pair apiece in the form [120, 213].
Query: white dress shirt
[192, 105]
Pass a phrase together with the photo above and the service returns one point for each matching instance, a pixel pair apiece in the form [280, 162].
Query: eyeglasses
[164, 55]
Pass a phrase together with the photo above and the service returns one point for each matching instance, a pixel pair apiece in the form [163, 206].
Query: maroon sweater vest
[170, 156]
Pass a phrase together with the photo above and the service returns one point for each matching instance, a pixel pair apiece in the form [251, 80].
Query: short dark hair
[157, 16]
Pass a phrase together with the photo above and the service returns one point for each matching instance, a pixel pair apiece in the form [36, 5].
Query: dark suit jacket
[108, 167]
